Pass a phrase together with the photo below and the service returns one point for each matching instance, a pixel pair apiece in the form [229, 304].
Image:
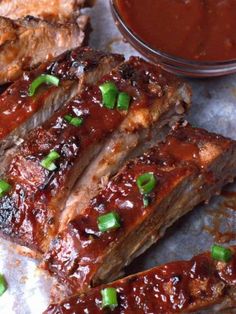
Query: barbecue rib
[56, 10]
[177, 287]
[190, 167]
[20, 113]
[31, 213]
[27, 42]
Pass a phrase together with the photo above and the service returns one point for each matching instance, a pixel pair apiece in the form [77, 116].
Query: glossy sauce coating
[16, 106]
[30, 213]
[77, 254]
[176, 287]
[191, 29]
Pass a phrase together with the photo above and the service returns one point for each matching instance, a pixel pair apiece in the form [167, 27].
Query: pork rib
[190, 167]
[27, 42]
[31, 213]
[177, 287]
[59, 10]
[19, 113]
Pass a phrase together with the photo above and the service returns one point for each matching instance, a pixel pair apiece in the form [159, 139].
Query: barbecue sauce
[202, 30]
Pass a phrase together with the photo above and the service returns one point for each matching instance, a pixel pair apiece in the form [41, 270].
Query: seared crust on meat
[190, 167]
[27, 42]
[31, 213]
[177, 287]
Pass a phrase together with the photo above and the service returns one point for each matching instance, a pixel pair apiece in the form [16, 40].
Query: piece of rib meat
[177, 287]
[31, 213]
[19, 113]
[56, 10]
[27, 42]
[190, 167]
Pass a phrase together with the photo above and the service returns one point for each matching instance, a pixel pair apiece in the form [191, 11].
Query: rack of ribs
[189, 167]
[34, 209]
[178, 287]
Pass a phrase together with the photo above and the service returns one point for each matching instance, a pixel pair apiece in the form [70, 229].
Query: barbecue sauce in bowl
[201, 30]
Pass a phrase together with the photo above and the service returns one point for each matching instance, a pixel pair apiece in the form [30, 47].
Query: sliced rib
[19, 113]
[61, 10]
[31, 213]
[27, 42]
[190, 167]
[177, 287]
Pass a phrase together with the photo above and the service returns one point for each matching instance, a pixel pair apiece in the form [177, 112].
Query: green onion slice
[109, 94]
[146, 183]
[42, 79]
[76, 121]
[48, 161]
[146, 201]
[4, 187]
[221, 253]
[3, 285]
[123, 101]
[108, 222]
[109, 298]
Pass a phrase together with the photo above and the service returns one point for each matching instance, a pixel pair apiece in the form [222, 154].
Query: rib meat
[60, 10]
[190, 167]
[19, 113]
[177, 287]
[27, 42]
[31, 213]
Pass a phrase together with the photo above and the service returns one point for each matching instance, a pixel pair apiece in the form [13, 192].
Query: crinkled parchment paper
[214, 108]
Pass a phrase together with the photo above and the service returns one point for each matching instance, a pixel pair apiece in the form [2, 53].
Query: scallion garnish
[48, 161]
[146, 201]
[108, 222]
[221, 253]
[109, 94]
[76, 121]
[3, 285]
[4, 187]
[146, 183]
[123, 101]
[109, 298]
[42, 79]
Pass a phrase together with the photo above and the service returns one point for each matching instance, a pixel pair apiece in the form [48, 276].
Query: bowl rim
[161, 54]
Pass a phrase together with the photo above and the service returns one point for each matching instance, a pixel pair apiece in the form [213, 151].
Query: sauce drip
[201, 30]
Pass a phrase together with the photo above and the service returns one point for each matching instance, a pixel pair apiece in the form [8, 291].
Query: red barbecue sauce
[201, 30]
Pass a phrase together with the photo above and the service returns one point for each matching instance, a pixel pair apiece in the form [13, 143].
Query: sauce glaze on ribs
[177, 287]
[30, 213]
[19, 113]
[190, 167]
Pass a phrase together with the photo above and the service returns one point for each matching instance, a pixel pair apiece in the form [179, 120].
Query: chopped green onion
[4, 187]
[107, 87]
[220, 253]
[146, 183]
[76, 121]
[146, 201]
[48, 161]
[123, 101]
[109, 298]
[42, 79]
[108, 222]
[3, 285]
[109, 94]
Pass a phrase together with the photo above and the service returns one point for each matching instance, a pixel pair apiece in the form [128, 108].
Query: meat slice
[189, 167]
[31, 213]
[177, 287]
[27, 42]
[60, 10]
[19, 113]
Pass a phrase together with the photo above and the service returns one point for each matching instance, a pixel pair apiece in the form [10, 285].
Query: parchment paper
[214, 108]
